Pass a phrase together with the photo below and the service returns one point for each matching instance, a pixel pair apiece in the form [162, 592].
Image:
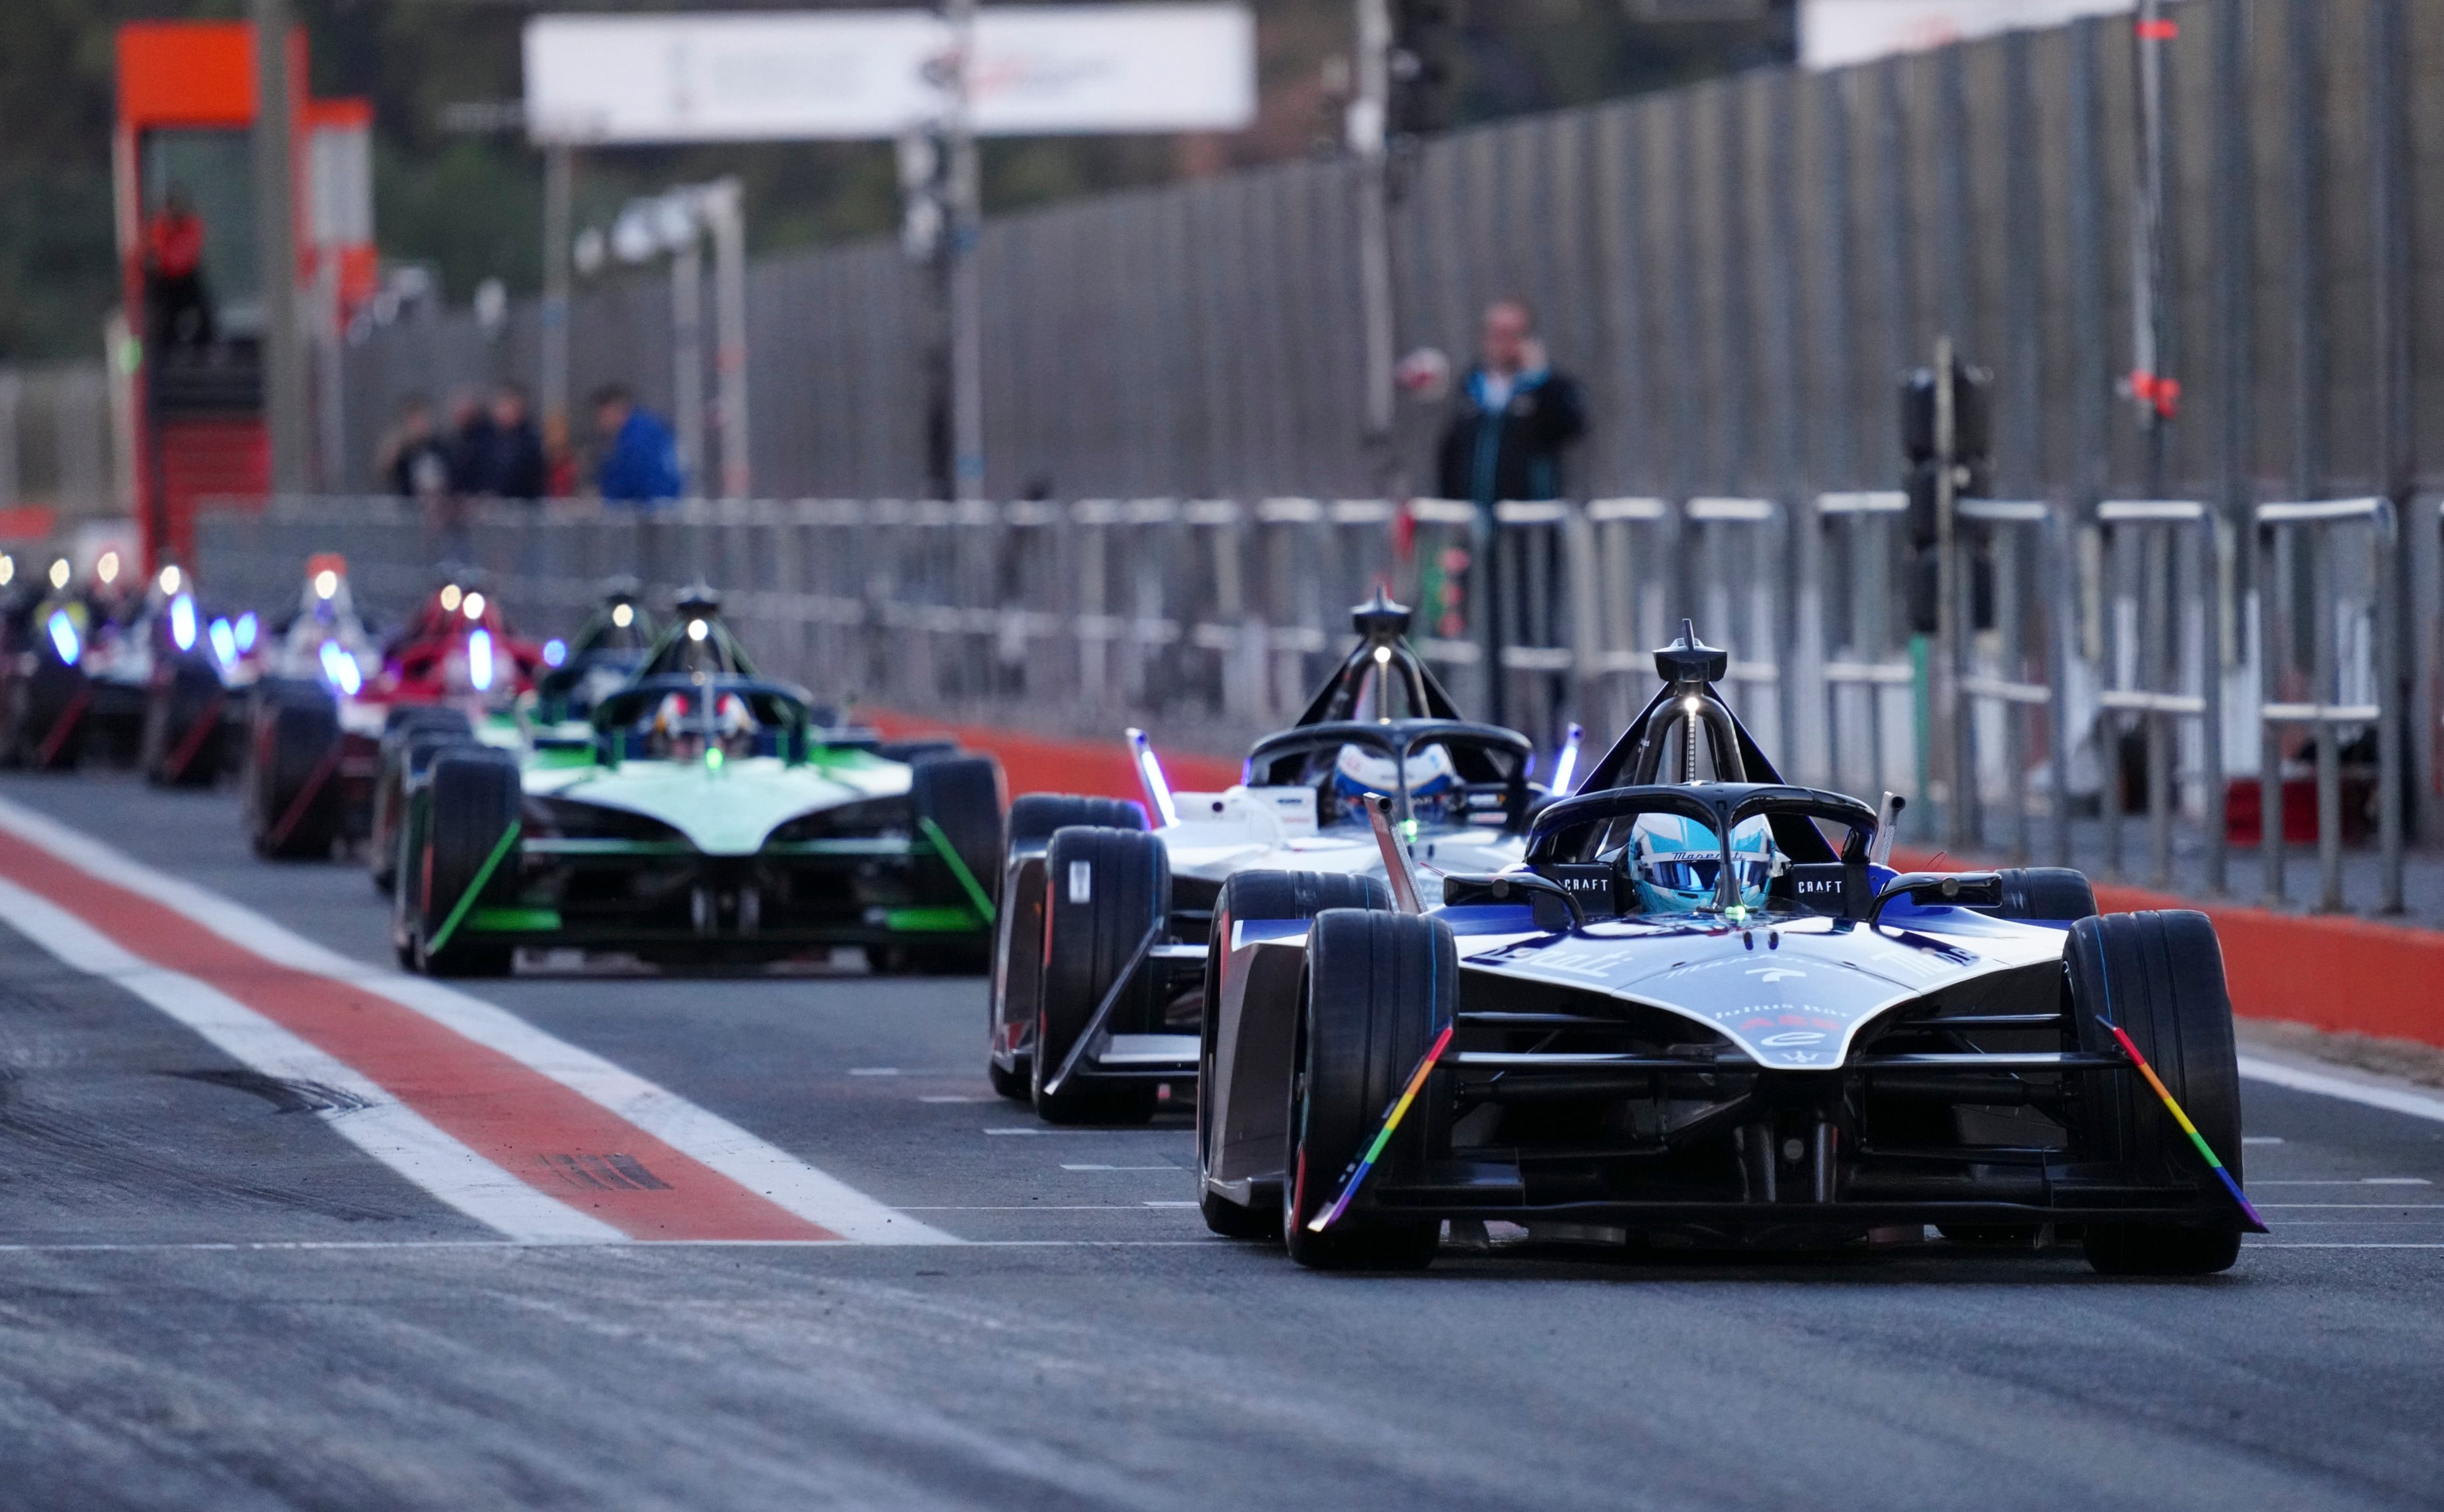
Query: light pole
[673, 223]
[275, 239]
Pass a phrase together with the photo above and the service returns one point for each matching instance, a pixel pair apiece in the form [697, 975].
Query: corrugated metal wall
[1736, 269]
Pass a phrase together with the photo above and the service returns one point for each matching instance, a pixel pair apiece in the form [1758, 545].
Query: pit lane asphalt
[1128, 1361]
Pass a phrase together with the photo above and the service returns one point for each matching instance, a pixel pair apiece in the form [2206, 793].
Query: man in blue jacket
[640, 461]
[1511, 418]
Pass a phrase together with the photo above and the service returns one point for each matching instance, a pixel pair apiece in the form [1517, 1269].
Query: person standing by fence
[1511, 419]
[640, 461]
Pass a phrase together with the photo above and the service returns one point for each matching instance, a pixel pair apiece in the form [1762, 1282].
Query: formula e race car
[546, 724]
[77, 663]
[716, 814]
[326, 697]
[1096, 997]
[1704, 1011]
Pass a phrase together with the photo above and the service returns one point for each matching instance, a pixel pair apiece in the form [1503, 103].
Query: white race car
[1097, 985]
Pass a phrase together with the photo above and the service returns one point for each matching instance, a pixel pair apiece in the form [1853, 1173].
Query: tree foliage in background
[470, 205]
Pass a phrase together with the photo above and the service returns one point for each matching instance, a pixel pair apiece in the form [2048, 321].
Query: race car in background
[719, 816]
[327, 694]
[1704, 1012]
[76, 661]
[547, 723]
[1098, 995]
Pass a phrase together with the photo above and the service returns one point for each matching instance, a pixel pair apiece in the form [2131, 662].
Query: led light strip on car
[2256, 1224]
[1391, 1121]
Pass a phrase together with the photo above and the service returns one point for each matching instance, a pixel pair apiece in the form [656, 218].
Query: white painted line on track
[954, 1099]
[2261, 1139]
[386, 1129]
[1067, 1166]
[815, 1246]
[781, 1178]
[2352, 1181]
[2368, 1094]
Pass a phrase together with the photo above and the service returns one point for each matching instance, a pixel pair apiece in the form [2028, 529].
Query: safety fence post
[2163, 664]
[1631, 560]
[1866, 662]
[2006, 684]
[2349, 683]
[1735, 557]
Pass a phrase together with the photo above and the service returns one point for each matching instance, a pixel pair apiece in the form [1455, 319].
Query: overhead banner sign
[857, 75]
[1836, 33]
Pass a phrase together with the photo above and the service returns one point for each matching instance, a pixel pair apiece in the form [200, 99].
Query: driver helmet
[670, 733]
[1675, 862]
[1358, 772]
[736, 724]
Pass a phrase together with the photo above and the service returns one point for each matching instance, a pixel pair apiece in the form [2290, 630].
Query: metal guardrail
[1214, 619]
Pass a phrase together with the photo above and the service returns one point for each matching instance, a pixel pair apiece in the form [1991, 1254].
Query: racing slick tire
[2158, 975]
[1108, 887]
[294, 802]
[472, 807]
[961, 796]
[47, 716]
[1258, 895]
[1018, 935]
[407, 750]
[1379, 988]
[184, 731]
[2046, 894]
[1033, 817]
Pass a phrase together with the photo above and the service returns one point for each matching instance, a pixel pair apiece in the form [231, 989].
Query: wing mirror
[1555, 905]
[1940, 890]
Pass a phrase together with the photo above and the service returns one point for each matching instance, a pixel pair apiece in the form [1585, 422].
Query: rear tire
[294, 799]
[473, 802]
[2159, 975]
[1105, 889]
[2046, 894]
[1033, 817]
[1379, 988]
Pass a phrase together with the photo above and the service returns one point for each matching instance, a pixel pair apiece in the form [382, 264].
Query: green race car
[707, 815]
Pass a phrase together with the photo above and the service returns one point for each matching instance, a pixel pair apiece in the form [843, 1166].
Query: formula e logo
[1793, 1037]
[1774, 974]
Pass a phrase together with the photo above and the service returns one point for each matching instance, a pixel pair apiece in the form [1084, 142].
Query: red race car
[328, 694]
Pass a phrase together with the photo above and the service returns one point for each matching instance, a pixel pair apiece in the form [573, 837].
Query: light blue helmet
[1675, 862]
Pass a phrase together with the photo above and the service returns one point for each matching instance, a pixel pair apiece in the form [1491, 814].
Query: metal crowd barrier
[2164, 650]
[1215, 618]
[2349, 682]
[2012, 680]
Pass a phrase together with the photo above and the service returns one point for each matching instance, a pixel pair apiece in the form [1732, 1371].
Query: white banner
[865, 74]
[1836, 33]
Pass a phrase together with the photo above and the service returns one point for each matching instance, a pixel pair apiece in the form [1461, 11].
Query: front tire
[292, 782]
[1379, 988]
[2159, 975]
[1245, 896]
[1105, 890]
[472, 807]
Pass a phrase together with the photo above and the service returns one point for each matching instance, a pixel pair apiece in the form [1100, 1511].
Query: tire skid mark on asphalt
[476, 1102]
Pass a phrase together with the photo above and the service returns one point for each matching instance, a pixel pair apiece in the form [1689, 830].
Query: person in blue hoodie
[640, 461]
[1510, 419]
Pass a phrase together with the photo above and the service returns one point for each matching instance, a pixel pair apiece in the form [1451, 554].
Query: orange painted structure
[186, 102]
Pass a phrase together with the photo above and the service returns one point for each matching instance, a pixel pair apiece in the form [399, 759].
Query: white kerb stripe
[2299, 1078]
[386, 1129]
[774, 1173]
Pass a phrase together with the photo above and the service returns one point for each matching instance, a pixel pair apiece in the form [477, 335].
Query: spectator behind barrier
[641, 460]
[179, 313]
[413, 463]
[1512, 418]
